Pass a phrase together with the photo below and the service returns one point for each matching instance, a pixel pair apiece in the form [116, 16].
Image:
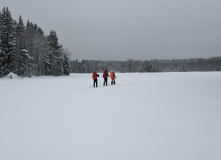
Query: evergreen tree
[29, 34]
[41, 49]
[29, 41]
[38, 48]
[23, 57]
[66, 65]
[1, 53]
[8, 42]
[47, 64]
[54, 59]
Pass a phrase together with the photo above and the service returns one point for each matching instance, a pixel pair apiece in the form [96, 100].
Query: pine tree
[29, 34]
[47, 64]
[8, 42]
[29, 41]
[23, 57]
[41, 48]
[1, 53]
[38, 48]
[54, 59]
[66, 65]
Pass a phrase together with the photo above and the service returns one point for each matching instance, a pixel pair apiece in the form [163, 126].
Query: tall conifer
[54, 58]
[66, 65]
[8, 42]
[23, 57]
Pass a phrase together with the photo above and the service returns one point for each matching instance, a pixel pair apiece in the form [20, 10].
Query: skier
[105, 75]
[94, 77]
[112, 76]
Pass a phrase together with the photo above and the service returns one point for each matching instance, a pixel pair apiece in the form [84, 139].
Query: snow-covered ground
[145, 116]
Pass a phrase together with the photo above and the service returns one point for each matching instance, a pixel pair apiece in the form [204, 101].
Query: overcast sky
[128, 29]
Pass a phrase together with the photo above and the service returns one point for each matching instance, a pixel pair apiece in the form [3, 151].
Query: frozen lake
[156, 116]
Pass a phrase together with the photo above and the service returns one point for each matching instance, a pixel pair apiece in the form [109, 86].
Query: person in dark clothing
[105, 81]
[105, 75]
[94, 77]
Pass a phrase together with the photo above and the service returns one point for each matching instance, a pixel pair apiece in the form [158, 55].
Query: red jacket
[105, 74]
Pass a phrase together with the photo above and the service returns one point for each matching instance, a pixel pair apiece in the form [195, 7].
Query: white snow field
[145, 116]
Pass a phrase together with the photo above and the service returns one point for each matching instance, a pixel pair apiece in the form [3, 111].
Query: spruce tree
[29, 41]
[1, 53]
[66, 65]
[29, 34]
[54, 59]
[41, 49]
[8, 42]
[23, 57]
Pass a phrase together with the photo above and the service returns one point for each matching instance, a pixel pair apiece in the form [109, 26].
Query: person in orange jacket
[112, 76]
[94, 77]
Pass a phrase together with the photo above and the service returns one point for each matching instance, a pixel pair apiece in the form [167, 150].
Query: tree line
[175, 65]
[26, 51]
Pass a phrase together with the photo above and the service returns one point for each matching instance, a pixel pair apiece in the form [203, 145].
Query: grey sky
[128, 29]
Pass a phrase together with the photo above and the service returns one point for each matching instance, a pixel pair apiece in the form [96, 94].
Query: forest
[26, 51]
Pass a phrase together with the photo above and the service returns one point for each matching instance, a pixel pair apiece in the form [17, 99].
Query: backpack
[94, 75]
[105, 73]
[111, 75]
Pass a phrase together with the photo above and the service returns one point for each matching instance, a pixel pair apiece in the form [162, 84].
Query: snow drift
[12, 75]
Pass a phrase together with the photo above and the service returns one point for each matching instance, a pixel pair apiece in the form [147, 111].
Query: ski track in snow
[37, 94]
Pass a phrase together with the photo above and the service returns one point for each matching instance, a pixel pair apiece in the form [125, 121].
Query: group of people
[105, 76]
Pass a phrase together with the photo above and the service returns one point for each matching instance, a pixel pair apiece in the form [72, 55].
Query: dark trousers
[112, 82]
[105, 81]
[95, 82]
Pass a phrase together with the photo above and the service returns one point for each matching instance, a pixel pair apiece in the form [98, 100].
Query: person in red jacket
[105, 75]
[94, 77]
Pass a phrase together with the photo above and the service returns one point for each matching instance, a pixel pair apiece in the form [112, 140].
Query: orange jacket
[94, 75]
[112, 76]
